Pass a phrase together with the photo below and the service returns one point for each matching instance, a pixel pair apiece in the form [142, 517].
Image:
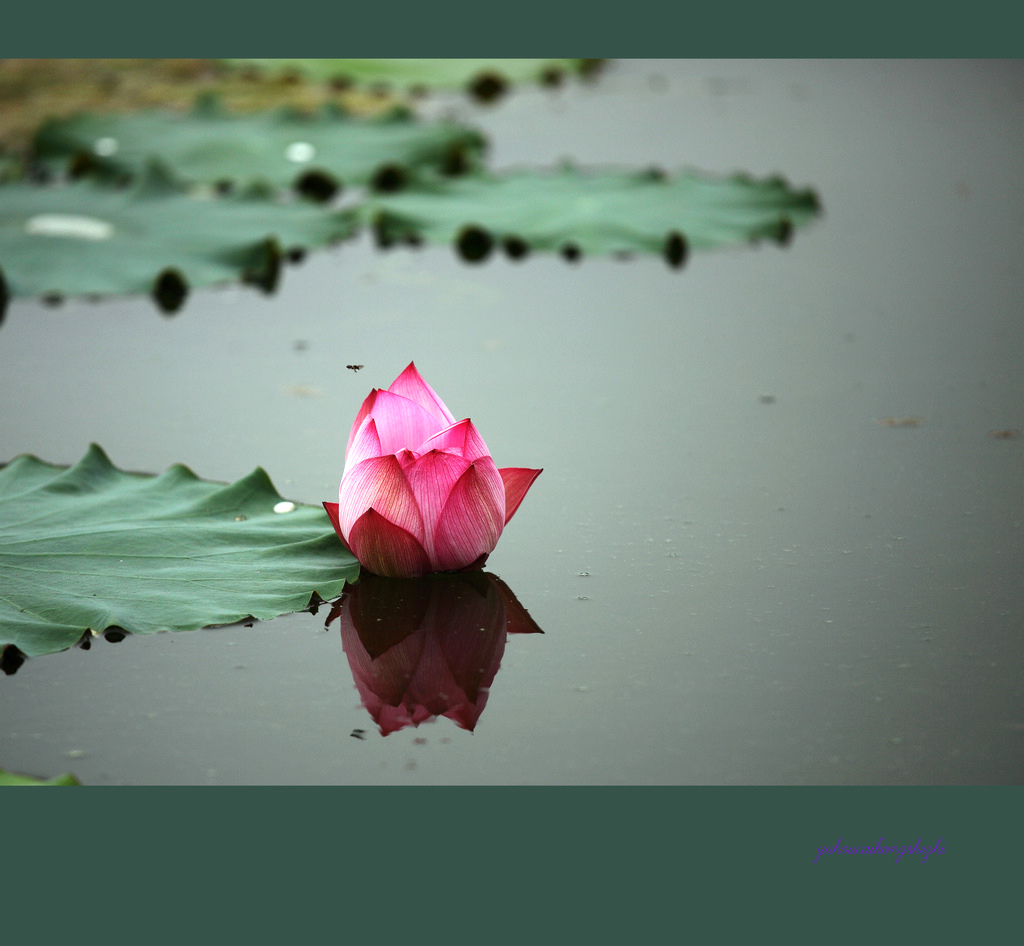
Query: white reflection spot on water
[105, 147]
[284, 507]
[69, 225]
[300, 152]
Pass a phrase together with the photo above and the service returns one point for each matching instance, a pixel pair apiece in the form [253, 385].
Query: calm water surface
[741, 572]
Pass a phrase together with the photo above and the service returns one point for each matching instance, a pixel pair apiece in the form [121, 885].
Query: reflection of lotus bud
[427, 647]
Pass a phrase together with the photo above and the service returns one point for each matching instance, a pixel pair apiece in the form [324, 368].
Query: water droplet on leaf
[69, 225]
[301, 152]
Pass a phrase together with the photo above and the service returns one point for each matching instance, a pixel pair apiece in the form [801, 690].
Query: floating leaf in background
[34, 90]
[152, 238]
[284, 147]
[578, 211]
[485, 79]
[12, 778]
[91, 547]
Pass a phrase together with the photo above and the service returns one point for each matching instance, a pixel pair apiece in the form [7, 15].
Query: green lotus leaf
[91, 547]
[578, 211]
[13, 778]
[483, 77]
[154, 237]
[329, 149]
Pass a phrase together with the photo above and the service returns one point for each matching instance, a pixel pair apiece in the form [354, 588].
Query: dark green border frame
[505, 864]
[519, 865]
[650, 28]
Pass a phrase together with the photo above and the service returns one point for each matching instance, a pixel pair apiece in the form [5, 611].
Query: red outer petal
[517, 481]
[332, 512]
[386, 549]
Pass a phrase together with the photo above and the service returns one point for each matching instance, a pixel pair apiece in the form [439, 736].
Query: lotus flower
[420, 492]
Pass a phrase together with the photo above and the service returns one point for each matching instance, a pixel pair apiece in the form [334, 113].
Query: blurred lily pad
[13, 778]
[91, 547]
[34, 90]
[483, 78]
[577, 211]
[154, 237]
[284, 147]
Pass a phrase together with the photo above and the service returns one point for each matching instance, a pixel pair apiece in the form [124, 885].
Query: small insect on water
[354, 367]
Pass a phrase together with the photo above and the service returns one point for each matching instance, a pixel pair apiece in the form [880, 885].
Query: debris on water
[901, 421]
[303, 390]
[358, 734]
[1007, 434]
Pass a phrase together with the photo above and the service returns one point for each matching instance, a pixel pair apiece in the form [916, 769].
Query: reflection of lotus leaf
[282, 147]
[575, 211]
[425, 73]
[84, 238]
[92, 547]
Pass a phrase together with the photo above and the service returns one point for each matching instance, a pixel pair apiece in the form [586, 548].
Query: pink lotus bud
[420, 492]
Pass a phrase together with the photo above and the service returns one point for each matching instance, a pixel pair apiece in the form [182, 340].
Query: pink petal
[406, 459]
[386, 549]
[472, 518]
[365, 409]
[517, 481]
[402, 422]
[332, 512]
[365, 444]
[380, 483]
[461, 438]
[431, 479]
[410, 384]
